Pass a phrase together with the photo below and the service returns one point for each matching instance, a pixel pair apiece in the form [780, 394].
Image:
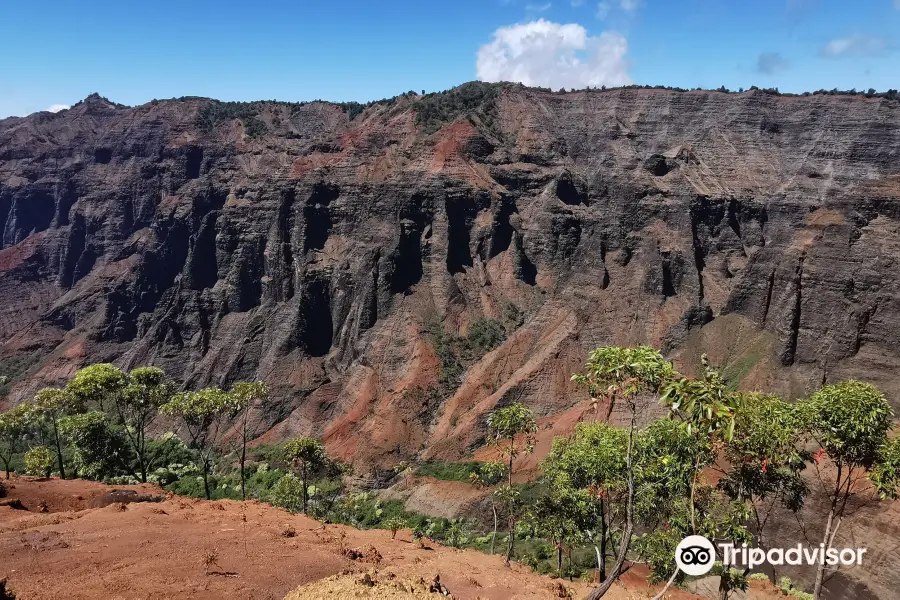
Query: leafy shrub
[485, 335]
[448, 471]
[98, 450]
[435, 110]
[456, 353]
[288, 493]
[39, 461]
[787, 586]
[394, 524]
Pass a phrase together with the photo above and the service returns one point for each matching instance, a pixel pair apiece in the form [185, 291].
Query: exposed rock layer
[764, 230]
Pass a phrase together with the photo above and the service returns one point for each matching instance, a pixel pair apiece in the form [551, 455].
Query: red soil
[156, 550]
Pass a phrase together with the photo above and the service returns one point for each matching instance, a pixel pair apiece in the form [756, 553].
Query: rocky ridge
[313, 245]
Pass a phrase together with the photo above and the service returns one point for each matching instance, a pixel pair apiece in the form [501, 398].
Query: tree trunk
[604, 538]
[820, 568]
[512, 520]
[303, 483]
[59, 456]
[206, 479]
[629, 521]
[559, 560]
[243, 470]
[512, 539]
[493, 508]
[667, 586]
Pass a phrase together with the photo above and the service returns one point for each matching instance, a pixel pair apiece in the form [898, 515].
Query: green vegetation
[457, 353]
[850, 422]
[14, 368]
[14, 426]
[308, 456]
[436, 110]
[205, 415]
[512, 430]
[217, 112]
[39, 461]
[447, 471]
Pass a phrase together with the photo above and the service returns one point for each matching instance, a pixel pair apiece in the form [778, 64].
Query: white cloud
[631, 5]
[54, 108]
[547, 54]
[897, 4]
[538, 8]
[603, 10]
[857, 45]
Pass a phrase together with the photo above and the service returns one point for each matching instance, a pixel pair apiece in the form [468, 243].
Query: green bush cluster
[39, 461]
[448, 471]
[436, 110]
[456, 353]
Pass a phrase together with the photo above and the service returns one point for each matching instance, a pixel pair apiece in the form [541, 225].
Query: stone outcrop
[311, 249]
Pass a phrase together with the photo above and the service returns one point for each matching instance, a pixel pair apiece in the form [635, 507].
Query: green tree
[512, 429]
[98, 450]
[287, 493]
[706, 408]
[629, 375]
[14, 426]
[136, 407]
[98, 386]
[205, 415]
[485, 477]
[39, 461]
[308, 456]
[248, 398]
[592, 460]
[554, 517]
[395, 524]
[50, 405]
[706, 405]
[765, 462]
[850, 421]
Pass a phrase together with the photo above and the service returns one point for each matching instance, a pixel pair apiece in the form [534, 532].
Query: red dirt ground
[158, 550]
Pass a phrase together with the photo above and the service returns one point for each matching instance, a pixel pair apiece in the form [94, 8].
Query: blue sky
[55, 52]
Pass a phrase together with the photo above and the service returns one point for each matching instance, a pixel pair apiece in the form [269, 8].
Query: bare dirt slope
[158, 550]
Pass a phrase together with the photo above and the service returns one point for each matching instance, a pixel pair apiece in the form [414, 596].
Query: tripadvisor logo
[695, 555]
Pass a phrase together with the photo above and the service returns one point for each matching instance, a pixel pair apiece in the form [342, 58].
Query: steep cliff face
[297, 245]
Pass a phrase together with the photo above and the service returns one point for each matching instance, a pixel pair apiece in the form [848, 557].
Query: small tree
[98, 450]
[247, 397]
[204, 414]
[98, 386]
[308, 456]
[49, 407]
[136, 407]
[506, 425]
[627, 374]
[706, 408]
[39, 461]
[555, 517]
[14, 425]
[764, 460]
[850, 421]
[394, 524]
[485, 477]
[592, 461]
